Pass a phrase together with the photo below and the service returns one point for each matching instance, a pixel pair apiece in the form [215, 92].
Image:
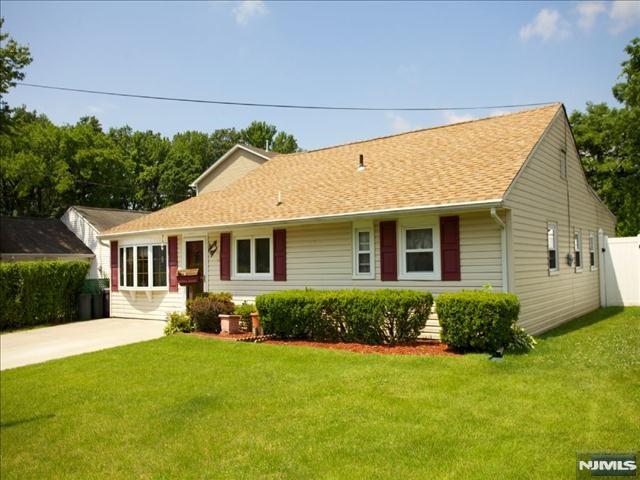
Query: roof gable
[105, 218]
[470, 162]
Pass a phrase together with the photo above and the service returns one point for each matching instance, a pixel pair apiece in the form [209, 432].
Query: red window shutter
[173, 264]
[280, 255]
[388, 251]
[450, 247]
[225, 256]
[114, 265]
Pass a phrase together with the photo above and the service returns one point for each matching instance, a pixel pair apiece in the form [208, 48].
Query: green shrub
[374, 317]
[521, 341]
[245, 310]
[477, 320]
[205, 308]
[178, 322]
[40, 292]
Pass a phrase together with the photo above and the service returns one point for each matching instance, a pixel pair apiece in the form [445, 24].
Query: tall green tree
[608, 139]
[13, 60]
[264, 135]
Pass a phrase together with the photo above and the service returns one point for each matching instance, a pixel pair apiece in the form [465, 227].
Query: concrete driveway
[42, 344]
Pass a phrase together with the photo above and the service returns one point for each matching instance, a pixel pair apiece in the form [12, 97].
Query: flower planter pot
[256, 329]
[230, 323]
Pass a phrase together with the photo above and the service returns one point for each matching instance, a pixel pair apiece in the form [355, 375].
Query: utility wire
[280, 105]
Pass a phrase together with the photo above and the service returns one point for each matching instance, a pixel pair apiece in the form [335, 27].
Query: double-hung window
[143, 266]
[252, 257]
[592, 251]
[552, 246]
[419, 252]
[577, 243]
[363, 251]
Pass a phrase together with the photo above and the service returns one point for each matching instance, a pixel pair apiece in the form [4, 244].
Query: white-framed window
[419, 251]
[592, 251]
[143, 267]
[364, 265]
[552, 246]
[252, 257]
[577, 247]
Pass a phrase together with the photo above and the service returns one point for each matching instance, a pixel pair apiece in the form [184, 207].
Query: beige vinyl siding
[320, 256]
[234, 167]
[538, 196]
[156, 304]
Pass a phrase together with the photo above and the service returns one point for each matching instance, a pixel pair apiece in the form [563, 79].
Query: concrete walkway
[42, 344]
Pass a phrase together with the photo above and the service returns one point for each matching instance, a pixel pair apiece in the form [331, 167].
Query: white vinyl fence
[620, 271]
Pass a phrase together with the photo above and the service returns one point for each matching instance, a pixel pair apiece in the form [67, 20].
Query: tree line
[45, 168]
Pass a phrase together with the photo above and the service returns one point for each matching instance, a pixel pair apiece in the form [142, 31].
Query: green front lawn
[186, 406]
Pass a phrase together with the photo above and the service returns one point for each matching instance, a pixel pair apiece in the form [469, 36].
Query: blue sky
[365, 54]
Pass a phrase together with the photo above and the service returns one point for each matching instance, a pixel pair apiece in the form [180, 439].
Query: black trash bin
[105, 303]
[97, 305]
[84, 306]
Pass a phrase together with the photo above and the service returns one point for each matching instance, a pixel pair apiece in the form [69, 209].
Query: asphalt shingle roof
[39, 236]
[465, 162]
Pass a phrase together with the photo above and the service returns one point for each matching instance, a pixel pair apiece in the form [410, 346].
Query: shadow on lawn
[583, 322]
[15, 423]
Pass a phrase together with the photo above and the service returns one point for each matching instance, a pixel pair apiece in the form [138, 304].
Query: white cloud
[454, 117]
[398, 123]
[548, 24]
[245, 10]
[588, 13]
[624, 14]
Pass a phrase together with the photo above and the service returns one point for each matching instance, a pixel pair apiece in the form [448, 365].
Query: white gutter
[503, 249]
[475, 205]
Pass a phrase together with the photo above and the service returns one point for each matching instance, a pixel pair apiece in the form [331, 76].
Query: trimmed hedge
[373, 317]
[205, 308]
[477, 320]
[40, 292]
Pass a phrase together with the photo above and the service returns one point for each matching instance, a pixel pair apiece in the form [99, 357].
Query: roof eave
[434, 209]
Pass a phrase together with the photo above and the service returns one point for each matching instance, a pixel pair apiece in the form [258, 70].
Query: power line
[279, 105]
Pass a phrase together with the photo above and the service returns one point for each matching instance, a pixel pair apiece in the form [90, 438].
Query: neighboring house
[501, 201]
[234, 164]
[26, 238]
[87, 222]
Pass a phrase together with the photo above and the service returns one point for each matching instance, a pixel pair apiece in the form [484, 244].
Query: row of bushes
[470, 320]
[40, 292]
[374, 317]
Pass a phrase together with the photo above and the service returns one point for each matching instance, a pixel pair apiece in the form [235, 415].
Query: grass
[189, 407]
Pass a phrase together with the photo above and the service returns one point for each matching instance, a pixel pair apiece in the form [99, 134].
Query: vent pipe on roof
[279, 202]
[361, 164]
[266, 146]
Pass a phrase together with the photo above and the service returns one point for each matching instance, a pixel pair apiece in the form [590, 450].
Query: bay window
[143, 266]
[252, 257]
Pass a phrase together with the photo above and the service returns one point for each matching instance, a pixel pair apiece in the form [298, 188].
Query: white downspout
[503, 249]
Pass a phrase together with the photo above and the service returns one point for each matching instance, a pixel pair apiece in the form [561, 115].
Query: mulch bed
[417, 348]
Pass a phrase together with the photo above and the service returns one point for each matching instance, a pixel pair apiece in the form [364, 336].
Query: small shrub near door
[40, 292]
[477, 320]
[373, 317]
[204, 310]
[178, 323]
